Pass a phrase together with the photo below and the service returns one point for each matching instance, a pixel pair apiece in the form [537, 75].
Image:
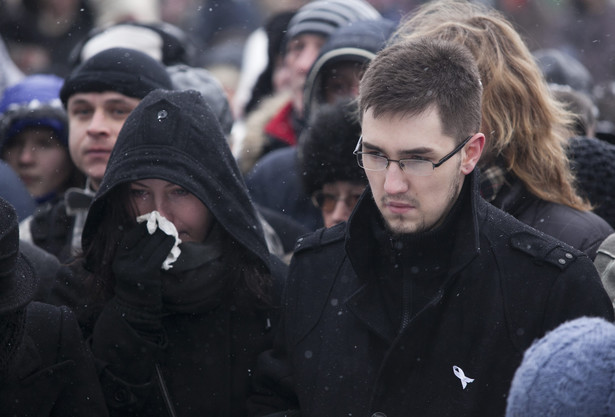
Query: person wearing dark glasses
[423, 302]
[331, 175]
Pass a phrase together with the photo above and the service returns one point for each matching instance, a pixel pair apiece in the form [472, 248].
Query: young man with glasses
[423, 303]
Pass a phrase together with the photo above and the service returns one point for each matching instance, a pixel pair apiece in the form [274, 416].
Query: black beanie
[326, 146]
[324, 16]
[126, 71]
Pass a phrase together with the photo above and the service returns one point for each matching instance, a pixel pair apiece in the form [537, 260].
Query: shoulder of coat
[321, 237]
[544, 249]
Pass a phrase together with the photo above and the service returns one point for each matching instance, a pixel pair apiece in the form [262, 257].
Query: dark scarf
[200, 279]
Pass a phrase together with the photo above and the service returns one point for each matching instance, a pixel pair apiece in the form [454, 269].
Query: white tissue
[156, 220]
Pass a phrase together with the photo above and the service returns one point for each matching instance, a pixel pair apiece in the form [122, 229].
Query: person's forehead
[402, 131]
[344, 185]
[342, 68]
[101, 97]
[309, 37]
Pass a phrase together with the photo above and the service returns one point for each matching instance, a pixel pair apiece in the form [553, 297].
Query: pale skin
[190, 216]
[413, 204]
[301, 52]
[95, 120]
[40, 160]
[343, 191]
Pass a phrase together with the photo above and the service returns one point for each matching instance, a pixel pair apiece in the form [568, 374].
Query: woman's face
[40, 160]
[190, 216]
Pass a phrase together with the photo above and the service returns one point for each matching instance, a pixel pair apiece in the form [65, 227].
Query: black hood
[358, 42]
[175, 136]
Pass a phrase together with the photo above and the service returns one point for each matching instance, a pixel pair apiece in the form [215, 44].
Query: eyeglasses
[419, 167]
[327, 202]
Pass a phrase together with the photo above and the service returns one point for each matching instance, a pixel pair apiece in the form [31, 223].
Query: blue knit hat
[569, 372]
[33, 102]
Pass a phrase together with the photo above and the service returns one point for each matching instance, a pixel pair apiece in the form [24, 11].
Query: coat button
[121, 395]
[379, 414]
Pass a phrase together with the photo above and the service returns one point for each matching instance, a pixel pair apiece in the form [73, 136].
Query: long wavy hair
[253, 283]
[527, 129]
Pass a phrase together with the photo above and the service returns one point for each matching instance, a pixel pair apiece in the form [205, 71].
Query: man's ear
[471, 153]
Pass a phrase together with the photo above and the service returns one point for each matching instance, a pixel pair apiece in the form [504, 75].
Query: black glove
[136, 266]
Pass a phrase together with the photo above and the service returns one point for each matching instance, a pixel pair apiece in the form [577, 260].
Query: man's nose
[396, 181]
[340, 212]
[98, 123]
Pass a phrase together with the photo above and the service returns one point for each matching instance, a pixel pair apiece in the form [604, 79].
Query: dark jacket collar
[360, 243]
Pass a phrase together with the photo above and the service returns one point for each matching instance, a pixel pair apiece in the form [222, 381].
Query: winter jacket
[53, 372]
[200, 343]
[255, 143]
[583, 230]
[275, 183]
[337, 354]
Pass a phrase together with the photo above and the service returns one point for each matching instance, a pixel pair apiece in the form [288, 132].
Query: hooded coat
[197, 357]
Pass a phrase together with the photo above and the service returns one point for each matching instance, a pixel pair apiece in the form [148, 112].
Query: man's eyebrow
[421, 150]
[78, 101]
[117, 100]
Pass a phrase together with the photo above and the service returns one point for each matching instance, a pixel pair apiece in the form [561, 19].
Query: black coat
[337, 355]
[54, 373]
[583, 230]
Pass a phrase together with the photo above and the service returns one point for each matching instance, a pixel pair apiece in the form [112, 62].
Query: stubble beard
[398, 225]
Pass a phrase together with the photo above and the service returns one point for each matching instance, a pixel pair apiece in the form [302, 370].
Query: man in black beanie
[98, 95]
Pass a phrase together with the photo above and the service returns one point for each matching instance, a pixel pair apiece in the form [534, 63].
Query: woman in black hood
[178, 341]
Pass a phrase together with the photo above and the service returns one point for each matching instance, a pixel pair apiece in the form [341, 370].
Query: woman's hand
[137, 264]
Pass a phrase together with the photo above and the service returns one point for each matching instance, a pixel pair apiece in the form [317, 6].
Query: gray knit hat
[322, 17]
[569, 372]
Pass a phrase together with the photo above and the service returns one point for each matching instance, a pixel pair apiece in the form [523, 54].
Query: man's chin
[398, 226]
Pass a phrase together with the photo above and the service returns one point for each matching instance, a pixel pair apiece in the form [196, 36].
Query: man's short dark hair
[408, 78]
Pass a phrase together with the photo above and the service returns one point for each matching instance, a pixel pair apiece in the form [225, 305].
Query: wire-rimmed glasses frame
[419, 167]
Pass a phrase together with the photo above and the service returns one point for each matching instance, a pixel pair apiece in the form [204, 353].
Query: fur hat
[126, 71]
[33, 102]
[325, 148]
[17, 279]
[322, 17]
[569, 372]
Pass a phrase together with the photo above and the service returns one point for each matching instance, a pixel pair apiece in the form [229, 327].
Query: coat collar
[365, 303]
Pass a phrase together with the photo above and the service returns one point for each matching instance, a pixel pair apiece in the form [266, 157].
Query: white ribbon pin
[464, 379]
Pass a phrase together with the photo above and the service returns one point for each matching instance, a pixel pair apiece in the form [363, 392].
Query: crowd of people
[306, 208]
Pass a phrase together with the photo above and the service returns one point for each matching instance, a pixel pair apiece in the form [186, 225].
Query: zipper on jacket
[405, 304]
[165, 392]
